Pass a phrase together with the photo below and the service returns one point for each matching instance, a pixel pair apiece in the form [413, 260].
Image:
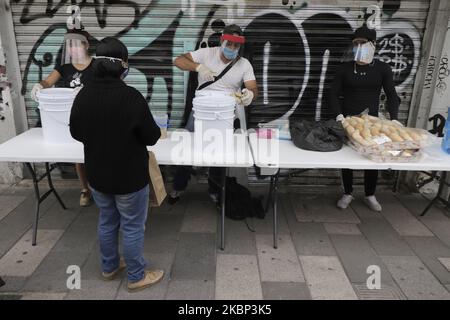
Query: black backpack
[239, 203]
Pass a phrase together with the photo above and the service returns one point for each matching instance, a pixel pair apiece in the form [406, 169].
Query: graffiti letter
[373, 22]
[74, 21]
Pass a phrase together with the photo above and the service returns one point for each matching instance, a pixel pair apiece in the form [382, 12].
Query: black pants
[370, 181]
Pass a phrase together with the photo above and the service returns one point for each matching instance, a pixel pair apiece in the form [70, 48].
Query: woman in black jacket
[115, 125]
[357, 84]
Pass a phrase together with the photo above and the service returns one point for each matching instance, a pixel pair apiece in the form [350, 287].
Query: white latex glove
[340, 117]
[397, 123]
[34, 92]
[205, 72]
[76, 90]
[247, 97]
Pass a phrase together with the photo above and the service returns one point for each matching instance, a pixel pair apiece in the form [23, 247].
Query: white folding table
[180, 148]
[283, 154]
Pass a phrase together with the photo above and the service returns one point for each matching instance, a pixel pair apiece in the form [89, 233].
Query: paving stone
[238, 238]
[440, 229]
[51, 275]
[384, 239]
[13, 284]
[342, 228]
[362, 211]
[415, 280]
[162, 233]
[285, 291]
[326, 278]
[157, 291]
[445, 262]
[416, 203]
[162, 224]
[237, 278]
[281, 264]
[321, 209]
[429, 250]
[94, 290]
[400, 218]
[18, 221]
[265, 226]
[195, 258]
[190, 290]
[384, 293]
[22, 259]
[84, 227]
[200, 216]
[311, 238]
[9, 203]
[10, 296]
[43, 296]
[58, 218]
[356, 255]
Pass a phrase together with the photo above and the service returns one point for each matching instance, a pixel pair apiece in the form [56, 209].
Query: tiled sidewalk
[323, 253]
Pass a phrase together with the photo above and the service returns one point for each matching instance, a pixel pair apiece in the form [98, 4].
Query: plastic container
[55, 105]
[214, 110]
[161, 118]
[446, 139]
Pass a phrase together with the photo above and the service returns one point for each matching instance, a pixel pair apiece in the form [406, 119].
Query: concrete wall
[9, 172]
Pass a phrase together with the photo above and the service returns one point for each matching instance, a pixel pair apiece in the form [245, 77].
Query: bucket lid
[51, 94]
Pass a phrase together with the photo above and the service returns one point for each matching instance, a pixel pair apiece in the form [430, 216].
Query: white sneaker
[345, 201]
[372, 203]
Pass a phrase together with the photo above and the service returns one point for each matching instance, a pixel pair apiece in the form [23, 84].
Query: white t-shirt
[242, 70]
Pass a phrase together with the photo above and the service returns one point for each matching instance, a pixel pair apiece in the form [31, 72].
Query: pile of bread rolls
[371, 131]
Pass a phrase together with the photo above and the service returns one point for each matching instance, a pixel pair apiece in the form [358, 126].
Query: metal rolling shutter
[294, 47]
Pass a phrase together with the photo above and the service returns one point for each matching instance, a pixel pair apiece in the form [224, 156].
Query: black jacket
[361, 90]
[115, 125]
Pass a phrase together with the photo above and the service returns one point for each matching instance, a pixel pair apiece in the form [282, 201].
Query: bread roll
[404, 134]
[395, 137]
[375, 131]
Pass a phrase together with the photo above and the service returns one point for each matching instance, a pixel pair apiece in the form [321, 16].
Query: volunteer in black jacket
[115, 125]
[356, 87]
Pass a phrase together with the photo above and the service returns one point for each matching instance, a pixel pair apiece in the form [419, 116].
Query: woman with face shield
[74, 71]
[356, 88]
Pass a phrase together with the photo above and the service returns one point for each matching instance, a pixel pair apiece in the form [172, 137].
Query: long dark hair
[114, 48]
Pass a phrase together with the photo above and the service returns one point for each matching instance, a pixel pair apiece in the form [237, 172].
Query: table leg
[222, 208]
[50, 184]
[442, 183]
[39, 198]
[275, 209]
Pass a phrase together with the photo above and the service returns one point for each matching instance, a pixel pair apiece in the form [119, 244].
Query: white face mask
[364, 52]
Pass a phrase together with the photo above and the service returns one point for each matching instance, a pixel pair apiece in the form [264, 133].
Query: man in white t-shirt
[209, 63]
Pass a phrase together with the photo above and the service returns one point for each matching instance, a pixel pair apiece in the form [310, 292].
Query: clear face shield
[360, 50]
[231, 45]
[75, 49]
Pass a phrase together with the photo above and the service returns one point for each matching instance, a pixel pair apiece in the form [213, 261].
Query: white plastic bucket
[204, 124]
[55, 105]
[226, 112]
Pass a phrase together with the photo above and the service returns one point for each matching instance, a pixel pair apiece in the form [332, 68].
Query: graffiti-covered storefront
[294, 47]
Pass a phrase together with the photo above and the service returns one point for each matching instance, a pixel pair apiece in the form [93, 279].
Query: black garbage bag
[324, 136]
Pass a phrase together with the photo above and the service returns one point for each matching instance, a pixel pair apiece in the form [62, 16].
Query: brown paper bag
[157, 189]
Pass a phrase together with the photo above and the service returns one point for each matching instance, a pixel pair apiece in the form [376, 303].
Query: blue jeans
[129, 213]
